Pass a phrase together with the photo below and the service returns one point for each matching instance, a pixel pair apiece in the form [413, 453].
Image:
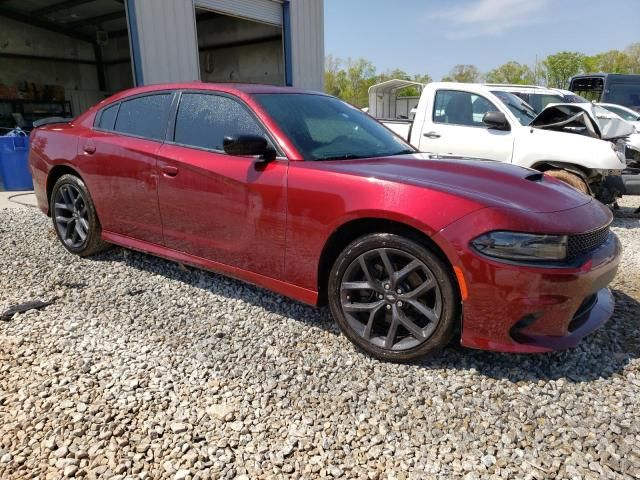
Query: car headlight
[522, 246]
[620, 147]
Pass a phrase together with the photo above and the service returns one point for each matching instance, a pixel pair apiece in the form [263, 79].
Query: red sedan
[305, 195]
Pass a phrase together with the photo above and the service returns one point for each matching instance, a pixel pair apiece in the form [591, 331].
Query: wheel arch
[353, 229]
[54, 174]
[544, 165]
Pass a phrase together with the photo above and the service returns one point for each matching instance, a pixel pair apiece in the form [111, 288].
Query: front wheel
[393, 298]
[74, 217]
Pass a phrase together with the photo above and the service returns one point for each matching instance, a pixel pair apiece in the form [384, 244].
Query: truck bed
[401, 128]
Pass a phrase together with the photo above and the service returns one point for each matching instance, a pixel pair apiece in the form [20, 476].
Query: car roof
[232, 88]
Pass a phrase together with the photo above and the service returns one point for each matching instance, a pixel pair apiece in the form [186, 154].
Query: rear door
[454, 127]
[227, 209]
[119, 156]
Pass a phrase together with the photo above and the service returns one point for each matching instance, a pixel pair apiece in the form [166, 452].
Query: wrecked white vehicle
[610, 118]
[598, 122]
[480, 121]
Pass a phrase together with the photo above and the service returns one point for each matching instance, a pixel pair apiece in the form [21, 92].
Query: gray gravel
[143, 369]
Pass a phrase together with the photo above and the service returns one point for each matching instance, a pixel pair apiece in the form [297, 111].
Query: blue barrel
[14, 163]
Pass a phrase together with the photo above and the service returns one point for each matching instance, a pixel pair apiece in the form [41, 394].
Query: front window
[521, 109]
[540, 101]
[325, 128]
[204, 120]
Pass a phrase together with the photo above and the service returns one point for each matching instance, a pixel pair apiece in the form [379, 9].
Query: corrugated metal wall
[267, 11]
[166, 38]
[164, 34]
[307, 43]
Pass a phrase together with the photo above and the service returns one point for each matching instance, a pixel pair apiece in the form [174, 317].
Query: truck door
[454, 127]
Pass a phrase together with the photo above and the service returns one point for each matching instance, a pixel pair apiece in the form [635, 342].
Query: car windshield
[521, 109]
[325, 128]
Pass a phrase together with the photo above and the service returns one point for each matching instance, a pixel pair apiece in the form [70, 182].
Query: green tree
[464, 74]
[513, 73]
[633, 51]
[559, 68]
[350, 79]
[613, 61]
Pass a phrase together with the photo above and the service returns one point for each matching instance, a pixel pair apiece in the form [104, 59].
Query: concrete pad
[17, 200]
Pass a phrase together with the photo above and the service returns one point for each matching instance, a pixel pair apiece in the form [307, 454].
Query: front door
[228, 209]
[456, 128]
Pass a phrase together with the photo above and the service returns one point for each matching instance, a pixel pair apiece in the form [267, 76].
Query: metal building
[61, 56]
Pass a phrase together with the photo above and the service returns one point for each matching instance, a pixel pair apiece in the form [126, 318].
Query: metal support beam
[57, 7]
[52, 27]
[286, 34]
[20, 56]
[134, 42]
[241, 43]
[102, 81]
[96, 20]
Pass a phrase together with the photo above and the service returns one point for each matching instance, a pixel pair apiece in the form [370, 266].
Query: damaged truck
[566, 141]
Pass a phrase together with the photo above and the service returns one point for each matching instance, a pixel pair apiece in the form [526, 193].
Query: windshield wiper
[404, 152]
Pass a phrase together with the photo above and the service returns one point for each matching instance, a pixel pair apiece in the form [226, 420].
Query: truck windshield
[521, 109]
[325, 128]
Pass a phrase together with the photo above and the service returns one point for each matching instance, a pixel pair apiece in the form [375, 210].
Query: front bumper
[532, 309]
[594, 313]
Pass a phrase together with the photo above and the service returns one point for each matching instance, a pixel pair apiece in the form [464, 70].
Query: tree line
[350, 79]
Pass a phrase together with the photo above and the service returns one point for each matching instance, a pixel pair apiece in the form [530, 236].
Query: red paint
[269, 225]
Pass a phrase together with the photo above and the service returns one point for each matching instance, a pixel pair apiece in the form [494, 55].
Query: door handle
[90, 149]
[431, 135]
[169, 170]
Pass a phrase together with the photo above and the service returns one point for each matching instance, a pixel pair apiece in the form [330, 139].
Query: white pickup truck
[478, 121]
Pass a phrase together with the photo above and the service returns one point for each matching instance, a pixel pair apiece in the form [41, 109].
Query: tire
[74, 217]
[570, 179]
[427, 287]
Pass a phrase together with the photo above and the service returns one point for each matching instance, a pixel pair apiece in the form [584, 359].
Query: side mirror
[496, 120]
[249, 145]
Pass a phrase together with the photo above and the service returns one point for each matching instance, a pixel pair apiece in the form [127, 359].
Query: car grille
[586, 242]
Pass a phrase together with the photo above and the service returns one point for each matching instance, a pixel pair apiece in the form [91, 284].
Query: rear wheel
[74, 217]
[393, 298]
[570, 179]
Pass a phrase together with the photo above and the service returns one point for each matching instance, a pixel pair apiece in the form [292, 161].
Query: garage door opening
[233, 49]
[57, 58]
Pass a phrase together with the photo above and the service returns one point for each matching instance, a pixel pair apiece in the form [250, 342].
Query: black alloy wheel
[74, 217]
[393, 298]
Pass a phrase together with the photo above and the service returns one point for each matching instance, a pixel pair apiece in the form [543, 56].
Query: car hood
[492, 184]
[583, 118]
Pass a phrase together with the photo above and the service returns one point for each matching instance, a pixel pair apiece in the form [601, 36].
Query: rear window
[590, 88]
[145, 116]
[107, 118]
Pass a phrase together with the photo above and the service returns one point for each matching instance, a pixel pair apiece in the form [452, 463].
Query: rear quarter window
[145, 116]
[107, 118]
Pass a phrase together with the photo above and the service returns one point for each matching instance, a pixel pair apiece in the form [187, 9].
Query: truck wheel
[393, 298]
[74, 217]
[570, 179]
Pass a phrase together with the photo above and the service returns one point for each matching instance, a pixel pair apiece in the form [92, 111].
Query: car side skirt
[295, 292]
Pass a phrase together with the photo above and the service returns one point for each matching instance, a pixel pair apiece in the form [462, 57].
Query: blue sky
[431, 36]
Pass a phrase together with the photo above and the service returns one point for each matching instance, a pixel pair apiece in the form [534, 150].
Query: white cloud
[490, 17]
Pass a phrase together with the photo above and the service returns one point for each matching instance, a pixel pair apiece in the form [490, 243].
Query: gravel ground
[143, 369]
